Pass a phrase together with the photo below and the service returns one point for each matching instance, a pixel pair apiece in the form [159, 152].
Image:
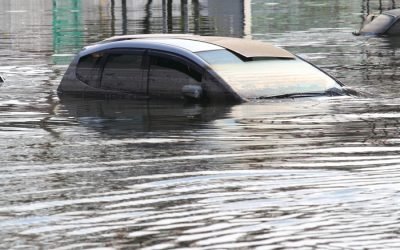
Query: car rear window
[87, 67]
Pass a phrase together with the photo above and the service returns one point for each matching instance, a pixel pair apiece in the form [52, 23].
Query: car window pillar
[169, 73]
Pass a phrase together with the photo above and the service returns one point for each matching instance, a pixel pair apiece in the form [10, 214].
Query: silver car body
[217, 69]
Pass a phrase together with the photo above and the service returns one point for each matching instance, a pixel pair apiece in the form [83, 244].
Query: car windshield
[379, 25]
[269, 77]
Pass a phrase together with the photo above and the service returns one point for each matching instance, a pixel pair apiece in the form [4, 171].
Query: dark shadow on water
[126, 116]
[392, 42]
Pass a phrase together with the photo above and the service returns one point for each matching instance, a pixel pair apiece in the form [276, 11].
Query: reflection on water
[119, 174]
[114, 116]
[273, 175]
[66, 25]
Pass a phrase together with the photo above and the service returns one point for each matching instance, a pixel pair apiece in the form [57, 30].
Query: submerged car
[200, 68]
[385, 24]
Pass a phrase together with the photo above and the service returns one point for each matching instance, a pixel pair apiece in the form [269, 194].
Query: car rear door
[123, 70]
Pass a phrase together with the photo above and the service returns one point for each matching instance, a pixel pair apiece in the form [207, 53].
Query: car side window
[395, 29]
[175, 65]
[124, 71]
[169, 73]
[88, 68]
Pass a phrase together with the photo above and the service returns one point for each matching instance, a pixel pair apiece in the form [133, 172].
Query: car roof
[195, 43]
[191, 45]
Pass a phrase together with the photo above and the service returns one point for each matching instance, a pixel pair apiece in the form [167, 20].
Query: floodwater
[286, 174]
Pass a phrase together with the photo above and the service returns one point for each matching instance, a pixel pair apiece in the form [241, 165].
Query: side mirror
[192, 91]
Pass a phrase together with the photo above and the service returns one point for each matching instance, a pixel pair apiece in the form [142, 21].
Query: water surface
[110, 174]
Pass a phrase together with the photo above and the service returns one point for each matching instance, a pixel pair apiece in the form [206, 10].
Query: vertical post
[184, 16]
[196, 16]
[247, 20]
[170, 16]
[147, 19]
[364, 12]
[112, 17]
[164, 16]
[124, 17]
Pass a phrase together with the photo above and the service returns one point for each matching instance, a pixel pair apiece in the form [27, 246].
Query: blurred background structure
[75, 23]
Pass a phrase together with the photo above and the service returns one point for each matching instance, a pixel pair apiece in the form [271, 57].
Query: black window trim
[145, 66]
[102, 63]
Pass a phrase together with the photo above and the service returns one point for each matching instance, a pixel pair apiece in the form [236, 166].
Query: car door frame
[125, 51]
[177, 57]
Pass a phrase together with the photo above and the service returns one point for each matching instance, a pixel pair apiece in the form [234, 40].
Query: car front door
[168, 73]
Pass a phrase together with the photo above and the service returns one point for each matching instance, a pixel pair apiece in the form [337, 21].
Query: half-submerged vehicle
[385, 24]
[199, 68]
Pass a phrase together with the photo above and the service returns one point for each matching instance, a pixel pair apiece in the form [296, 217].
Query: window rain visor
[270, 77]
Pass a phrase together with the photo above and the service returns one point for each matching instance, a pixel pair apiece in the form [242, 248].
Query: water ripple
[117, 174]
[233, 208]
